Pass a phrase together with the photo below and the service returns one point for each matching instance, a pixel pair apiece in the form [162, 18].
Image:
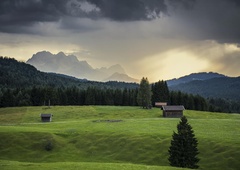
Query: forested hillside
[194, 76]
[223, 87]
[15, 74]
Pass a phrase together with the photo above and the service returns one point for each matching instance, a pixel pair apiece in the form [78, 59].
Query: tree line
[42, 95]
[161, 93]
[39, 96]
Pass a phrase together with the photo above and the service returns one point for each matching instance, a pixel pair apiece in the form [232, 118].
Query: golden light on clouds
[182, 63]
[173, 64]
[232, 48]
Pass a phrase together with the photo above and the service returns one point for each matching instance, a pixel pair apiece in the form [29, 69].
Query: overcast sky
[158, 39]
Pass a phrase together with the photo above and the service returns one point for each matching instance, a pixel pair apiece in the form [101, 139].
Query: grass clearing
[9, 165]
[141, 138]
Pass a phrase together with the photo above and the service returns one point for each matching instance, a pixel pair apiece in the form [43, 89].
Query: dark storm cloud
[206, 20]
[186, 4]
[202, 19]
[130, 10]
[15, 15]
[221, 21]
[27, 11]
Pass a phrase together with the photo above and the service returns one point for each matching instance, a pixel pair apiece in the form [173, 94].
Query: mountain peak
[117, 68]
[121, 77]
[61, 54]
[70, 65]
[43, 53]
[39, 56]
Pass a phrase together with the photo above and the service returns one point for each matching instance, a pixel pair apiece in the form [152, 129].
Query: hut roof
[160, 103]
[46, 115]
[171, 108]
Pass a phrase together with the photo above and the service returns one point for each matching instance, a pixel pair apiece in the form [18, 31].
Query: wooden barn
[160, 104]
[173, 111]
[46, 117]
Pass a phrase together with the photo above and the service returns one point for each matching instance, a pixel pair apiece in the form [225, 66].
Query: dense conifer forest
[23, 85]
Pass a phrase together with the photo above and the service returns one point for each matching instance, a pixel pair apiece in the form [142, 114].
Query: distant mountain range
[14, 74]
[70, 65]
[208, 85]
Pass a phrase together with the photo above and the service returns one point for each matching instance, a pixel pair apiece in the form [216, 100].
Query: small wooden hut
[173, 111]
[46, 117]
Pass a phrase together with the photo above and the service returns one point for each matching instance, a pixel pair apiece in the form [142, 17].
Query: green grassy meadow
[81, 138]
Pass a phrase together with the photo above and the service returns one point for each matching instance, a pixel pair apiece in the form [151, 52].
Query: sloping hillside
[20, 74]
[223, 87]
[194, 76]
[86, 134]
[15, 74]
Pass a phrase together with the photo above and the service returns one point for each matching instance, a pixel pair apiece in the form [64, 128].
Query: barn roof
[46, 115]
[160, 103]
[171, 108]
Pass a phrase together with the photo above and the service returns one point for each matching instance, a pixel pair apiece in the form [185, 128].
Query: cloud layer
[201, 19]
[145, 36]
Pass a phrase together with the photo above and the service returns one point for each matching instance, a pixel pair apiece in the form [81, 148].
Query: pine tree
[183, 150]
[160, 92]
[126, 101]
[144, 93]
[90, 96]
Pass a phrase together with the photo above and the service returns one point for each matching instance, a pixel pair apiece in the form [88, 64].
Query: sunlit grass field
[82, 138]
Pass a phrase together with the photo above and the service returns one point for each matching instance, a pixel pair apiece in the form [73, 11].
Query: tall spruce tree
[144, 93]
[183, 150]
[160, 92]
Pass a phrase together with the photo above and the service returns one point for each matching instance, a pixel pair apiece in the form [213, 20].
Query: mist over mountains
[70, 65]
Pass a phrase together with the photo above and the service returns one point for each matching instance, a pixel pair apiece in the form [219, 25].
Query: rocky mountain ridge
[70, 65]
